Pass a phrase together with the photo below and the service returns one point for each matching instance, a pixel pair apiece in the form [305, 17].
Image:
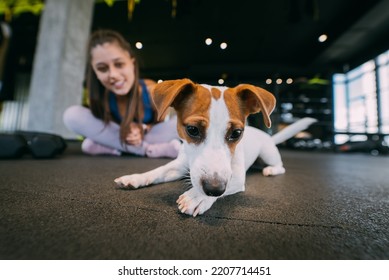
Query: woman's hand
[135, 136]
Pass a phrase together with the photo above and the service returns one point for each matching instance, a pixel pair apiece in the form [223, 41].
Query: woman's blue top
[148, 109]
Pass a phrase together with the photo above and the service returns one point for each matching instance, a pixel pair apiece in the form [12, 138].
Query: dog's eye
[235, 135]
[193, 131]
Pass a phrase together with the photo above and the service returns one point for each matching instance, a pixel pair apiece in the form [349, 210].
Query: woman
[121, 117]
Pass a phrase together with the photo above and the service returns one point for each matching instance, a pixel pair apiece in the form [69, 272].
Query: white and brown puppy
[217, 147]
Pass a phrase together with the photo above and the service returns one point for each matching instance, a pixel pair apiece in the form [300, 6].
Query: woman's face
[114, 67]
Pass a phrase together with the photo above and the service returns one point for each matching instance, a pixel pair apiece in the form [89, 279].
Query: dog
[218, 147]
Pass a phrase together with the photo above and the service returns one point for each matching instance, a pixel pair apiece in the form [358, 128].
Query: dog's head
[211, 122]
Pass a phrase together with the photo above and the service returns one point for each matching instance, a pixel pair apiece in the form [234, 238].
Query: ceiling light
[208, 41]
[138, 45]
[322, 38]
[223, 45]
[279, 81]
[289, 81]
[268, 81]
[220, 81]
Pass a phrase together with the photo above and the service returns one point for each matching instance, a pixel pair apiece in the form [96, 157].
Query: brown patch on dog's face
[235, 106]
[234, 134]
[242, 101]
[193, 115]
[216, 93]
[237, 121]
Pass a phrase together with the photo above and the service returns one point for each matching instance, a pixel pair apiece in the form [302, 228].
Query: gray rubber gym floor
[327, 206]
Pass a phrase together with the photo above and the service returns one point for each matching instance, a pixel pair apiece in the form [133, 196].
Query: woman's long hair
[98, 94]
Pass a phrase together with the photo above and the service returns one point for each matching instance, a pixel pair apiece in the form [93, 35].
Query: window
[383, 89]
[361, 100]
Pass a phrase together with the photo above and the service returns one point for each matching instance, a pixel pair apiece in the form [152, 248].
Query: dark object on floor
[374, 147]
[12, 145]
[39, 144]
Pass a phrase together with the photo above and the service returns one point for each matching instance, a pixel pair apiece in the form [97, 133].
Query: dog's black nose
[213, 186]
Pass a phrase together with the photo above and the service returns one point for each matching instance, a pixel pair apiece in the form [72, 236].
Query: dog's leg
[171, 171]
[192, 202]
[259, 144]
[270, 155]
[275, 166]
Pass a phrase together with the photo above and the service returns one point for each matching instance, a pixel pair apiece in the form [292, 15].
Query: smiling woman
[121, 116]
[114, 67]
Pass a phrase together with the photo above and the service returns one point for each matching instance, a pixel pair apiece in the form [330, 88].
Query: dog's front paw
[273, 170]
[131, 181]
[194, 203]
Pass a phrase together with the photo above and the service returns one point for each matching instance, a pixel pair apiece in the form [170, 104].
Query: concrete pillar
[59, 64]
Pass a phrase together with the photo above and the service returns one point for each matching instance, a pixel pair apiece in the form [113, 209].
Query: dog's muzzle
[213, 186]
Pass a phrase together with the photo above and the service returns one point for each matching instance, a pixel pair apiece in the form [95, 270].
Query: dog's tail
[292, 130]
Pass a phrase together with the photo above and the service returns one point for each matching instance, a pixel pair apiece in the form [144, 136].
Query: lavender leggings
[81, 121]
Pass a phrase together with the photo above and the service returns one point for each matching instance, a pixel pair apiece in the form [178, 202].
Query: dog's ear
[167, 93]
[256, 99]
